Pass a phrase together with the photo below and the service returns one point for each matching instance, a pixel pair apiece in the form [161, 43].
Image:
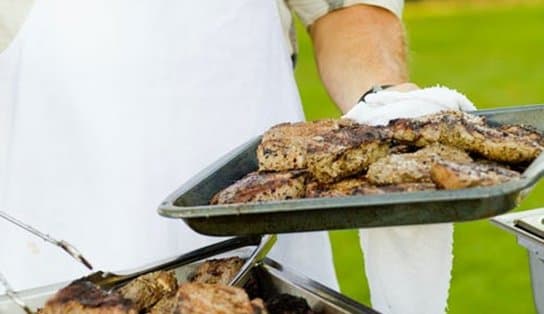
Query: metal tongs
[67, 247]
[111, 281]
[13, 295]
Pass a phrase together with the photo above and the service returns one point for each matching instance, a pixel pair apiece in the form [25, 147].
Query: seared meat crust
[220, 271]
[361, 186]
[148, 289]
[166, 305]
[413, 167]
[346, 151]
[452, 175]
[525, 132]
[467, 132]
[201, 298]
[283, 147]
[263, 186]
[83, 297]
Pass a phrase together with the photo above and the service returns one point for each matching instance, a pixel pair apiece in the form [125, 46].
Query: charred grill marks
[340, 157]
[266, 186]
[467, 132]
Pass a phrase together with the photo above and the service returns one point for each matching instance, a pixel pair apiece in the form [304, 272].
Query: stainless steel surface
[529, 240]
[13, 295]
[190, 201]
[532, 224]
[527, 227]
[67, 247]
[536, 265]
[108, 280]
[320, 298]
[271, 276]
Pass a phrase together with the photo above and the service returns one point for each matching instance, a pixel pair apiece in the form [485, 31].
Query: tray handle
[536, 169]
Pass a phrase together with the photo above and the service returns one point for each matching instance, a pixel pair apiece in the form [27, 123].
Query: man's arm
[356, 48]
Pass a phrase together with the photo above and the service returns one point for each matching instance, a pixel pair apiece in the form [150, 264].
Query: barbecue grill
[272, 278]
[528, 226]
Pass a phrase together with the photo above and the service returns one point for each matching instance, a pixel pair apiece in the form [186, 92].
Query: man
[108, 105]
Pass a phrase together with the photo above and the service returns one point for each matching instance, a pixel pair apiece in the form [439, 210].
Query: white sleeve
[311, 10]
[12, 15]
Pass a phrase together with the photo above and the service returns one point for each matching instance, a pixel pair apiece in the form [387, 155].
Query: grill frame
[533, 242]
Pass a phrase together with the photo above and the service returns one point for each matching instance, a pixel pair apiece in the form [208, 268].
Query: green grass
[495, 55]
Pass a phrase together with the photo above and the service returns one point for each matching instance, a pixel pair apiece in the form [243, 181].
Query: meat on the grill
[283, 147]
[258, 306]
[201, 298]
[288, 304]
[220, 271]
[361, 186]
[83, 297]
[344, 152]
[148, 289]
[263, 186]
[452, 175]
[467, 132]
[413, 167]
[166, 305]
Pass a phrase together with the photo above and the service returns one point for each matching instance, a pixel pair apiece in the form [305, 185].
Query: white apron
[106, 106]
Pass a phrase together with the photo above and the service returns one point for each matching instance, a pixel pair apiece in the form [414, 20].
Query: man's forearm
[356, 48]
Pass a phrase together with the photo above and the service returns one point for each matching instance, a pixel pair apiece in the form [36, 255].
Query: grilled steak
[166, 305]
[83, 297]
[169, 305]
[361, 186]
[526, 132]
[451, 175]
[148, 289]
[283, 147]
[201, 298]
[258, 306]
[467, 132]
[413, 167]
[346, 151]
[263, 186]
[218, 270]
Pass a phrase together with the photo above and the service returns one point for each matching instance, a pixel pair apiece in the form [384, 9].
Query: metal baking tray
[271, 276]
[190, 201]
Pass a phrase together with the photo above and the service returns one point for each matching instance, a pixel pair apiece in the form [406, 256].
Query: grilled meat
[451, 175]
[210, 298]
[346, 151]
[263, 186]
[361, 186]
[166, 305]
[467, 132]
[148, 289]
[201, 298]
[526, 132]
[413, 167]
[83, 297]
[218, 270]
[283, 147]
[258, 306]
[288, 304]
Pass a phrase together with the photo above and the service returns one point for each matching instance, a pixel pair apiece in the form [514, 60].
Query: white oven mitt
[408, 267]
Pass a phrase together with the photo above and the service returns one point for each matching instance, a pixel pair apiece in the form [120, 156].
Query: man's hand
[404, 87]
[356, 48]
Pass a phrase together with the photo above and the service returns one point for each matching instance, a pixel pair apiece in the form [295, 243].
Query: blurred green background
[493, 51]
